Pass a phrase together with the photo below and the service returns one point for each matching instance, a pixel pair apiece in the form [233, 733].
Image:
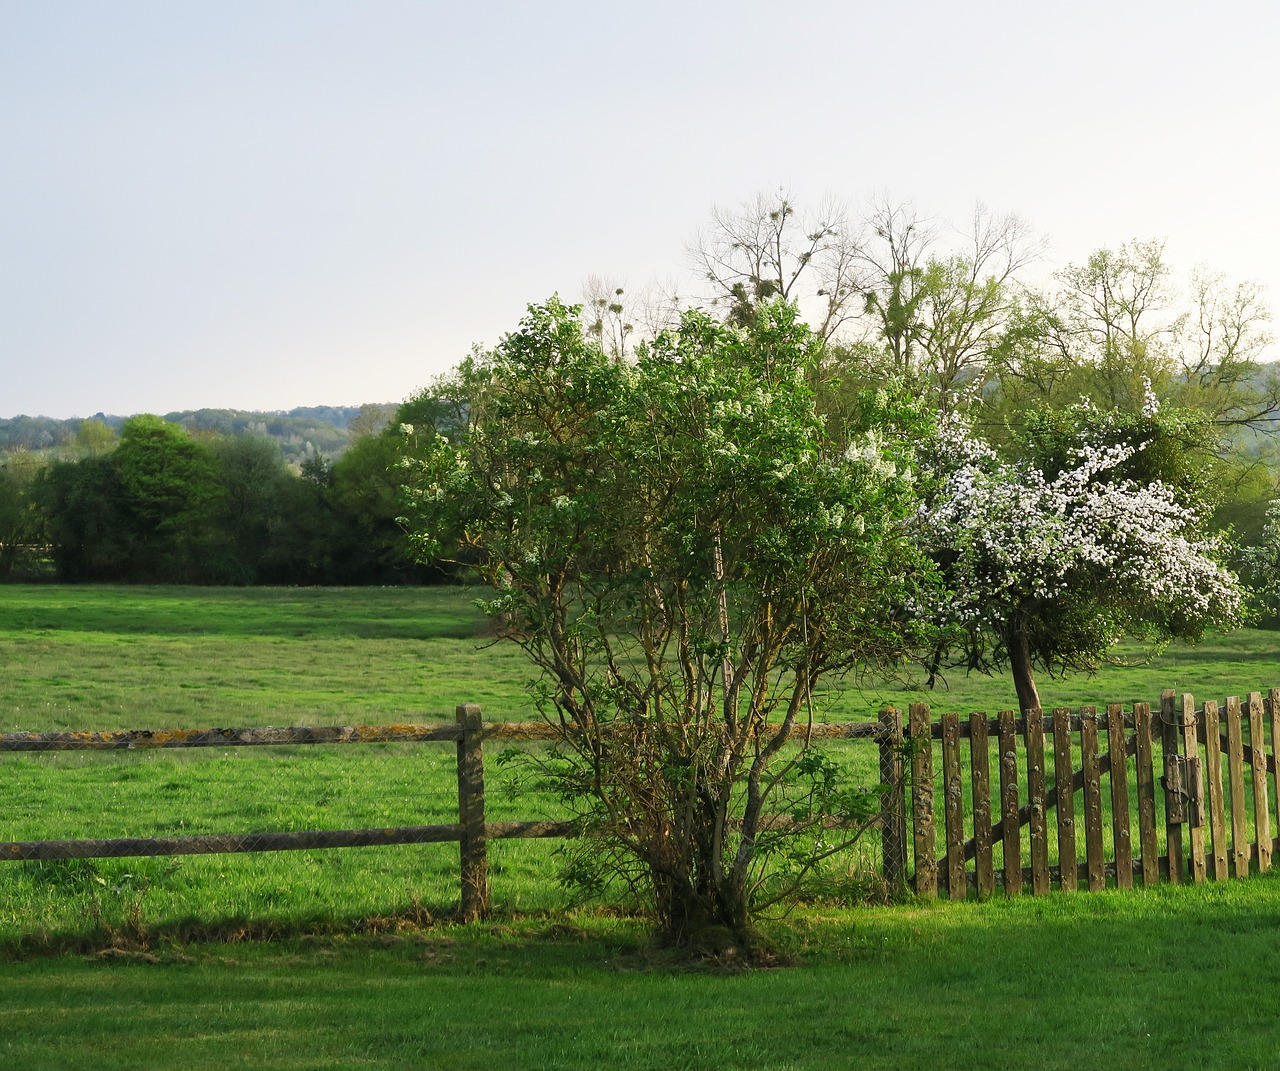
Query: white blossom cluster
[1011, 535]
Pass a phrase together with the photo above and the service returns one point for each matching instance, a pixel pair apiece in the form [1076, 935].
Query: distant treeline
[212, 500]
[303, 432]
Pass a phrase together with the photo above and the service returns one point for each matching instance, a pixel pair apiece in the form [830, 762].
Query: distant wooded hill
[301, 433]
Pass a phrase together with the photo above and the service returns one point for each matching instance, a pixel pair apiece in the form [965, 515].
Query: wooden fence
[1192, 747]
[472, 831]
[1197, 782]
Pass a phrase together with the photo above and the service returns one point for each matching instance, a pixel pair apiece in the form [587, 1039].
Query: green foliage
[21, 528]
[1175, 447]
[86, 519]
[170, 491]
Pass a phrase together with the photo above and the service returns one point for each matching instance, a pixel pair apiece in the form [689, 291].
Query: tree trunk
[1024, 680]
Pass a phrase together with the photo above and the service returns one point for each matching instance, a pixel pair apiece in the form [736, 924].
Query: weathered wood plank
[1174, 804]
[276, 736]
[1012, 830]
[980, 783]
[922, 821]
[1272, 708]
[472, 848]
[269, 736]
[953, 805]
[1064, 775]
[227, 843]
[1024, 813]
[1121, 825]
[1213, 788]
[1144, 762]
[1037, 820]
[1235, 792]
[1095, 859]
[1193, 784]
[1258, 768]
[893, 808]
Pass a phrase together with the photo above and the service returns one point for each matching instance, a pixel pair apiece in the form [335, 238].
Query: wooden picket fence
[1177, 773]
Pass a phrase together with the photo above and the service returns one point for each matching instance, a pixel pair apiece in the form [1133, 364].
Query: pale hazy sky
[267, 204]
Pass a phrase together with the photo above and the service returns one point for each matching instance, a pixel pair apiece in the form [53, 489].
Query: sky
[276, 203]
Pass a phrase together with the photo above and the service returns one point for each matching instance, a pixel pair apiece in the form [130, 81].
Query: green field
[136, 657]
[346, 958]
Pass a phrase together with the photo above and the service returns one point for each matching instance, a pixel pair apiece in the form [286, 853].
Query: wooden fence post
[893, 805]
[1193, 785]
[472, 849]
[1121, 825]
[953, 806]
[1235, 774]
[1064, 781]
[1213, 785]
[1037, 824]
[1091, 768]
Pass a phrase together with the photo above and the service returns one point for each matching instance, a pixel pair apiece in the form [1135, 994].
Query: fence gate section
[1058, 804]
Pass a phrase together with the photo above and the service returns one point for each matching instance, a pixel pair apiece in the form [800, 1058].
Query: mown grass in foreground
[1170, 977]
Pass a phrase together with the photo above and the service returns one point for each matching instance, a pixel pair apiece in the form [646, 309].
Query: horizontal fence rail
[471, 831]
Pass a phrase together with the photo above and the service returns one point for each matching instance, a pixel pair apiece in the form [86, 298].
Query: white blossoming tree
[1054, 559]
[683, 551]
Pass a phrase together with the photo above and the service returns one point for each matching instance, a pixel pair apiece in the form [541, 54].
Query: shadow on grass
[1167, 977]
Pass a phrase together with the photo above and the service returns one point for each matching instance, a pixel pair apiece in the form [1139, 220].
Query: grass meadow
[347, 958]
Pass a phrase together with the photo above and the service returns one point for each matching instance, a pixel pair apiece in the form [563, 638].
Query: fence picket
[1096, 865]
[1213, 788]
[1173, 804]
[1063, 774]
[1273, 710]
[1193, 784]
[1258, 764]
[980, 780]
[893, 814]
[1235, 778]
[953, 805]
[1036, 801]
[1144, 761]
[1011, 832]
[1117, 753]
[922, 826]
